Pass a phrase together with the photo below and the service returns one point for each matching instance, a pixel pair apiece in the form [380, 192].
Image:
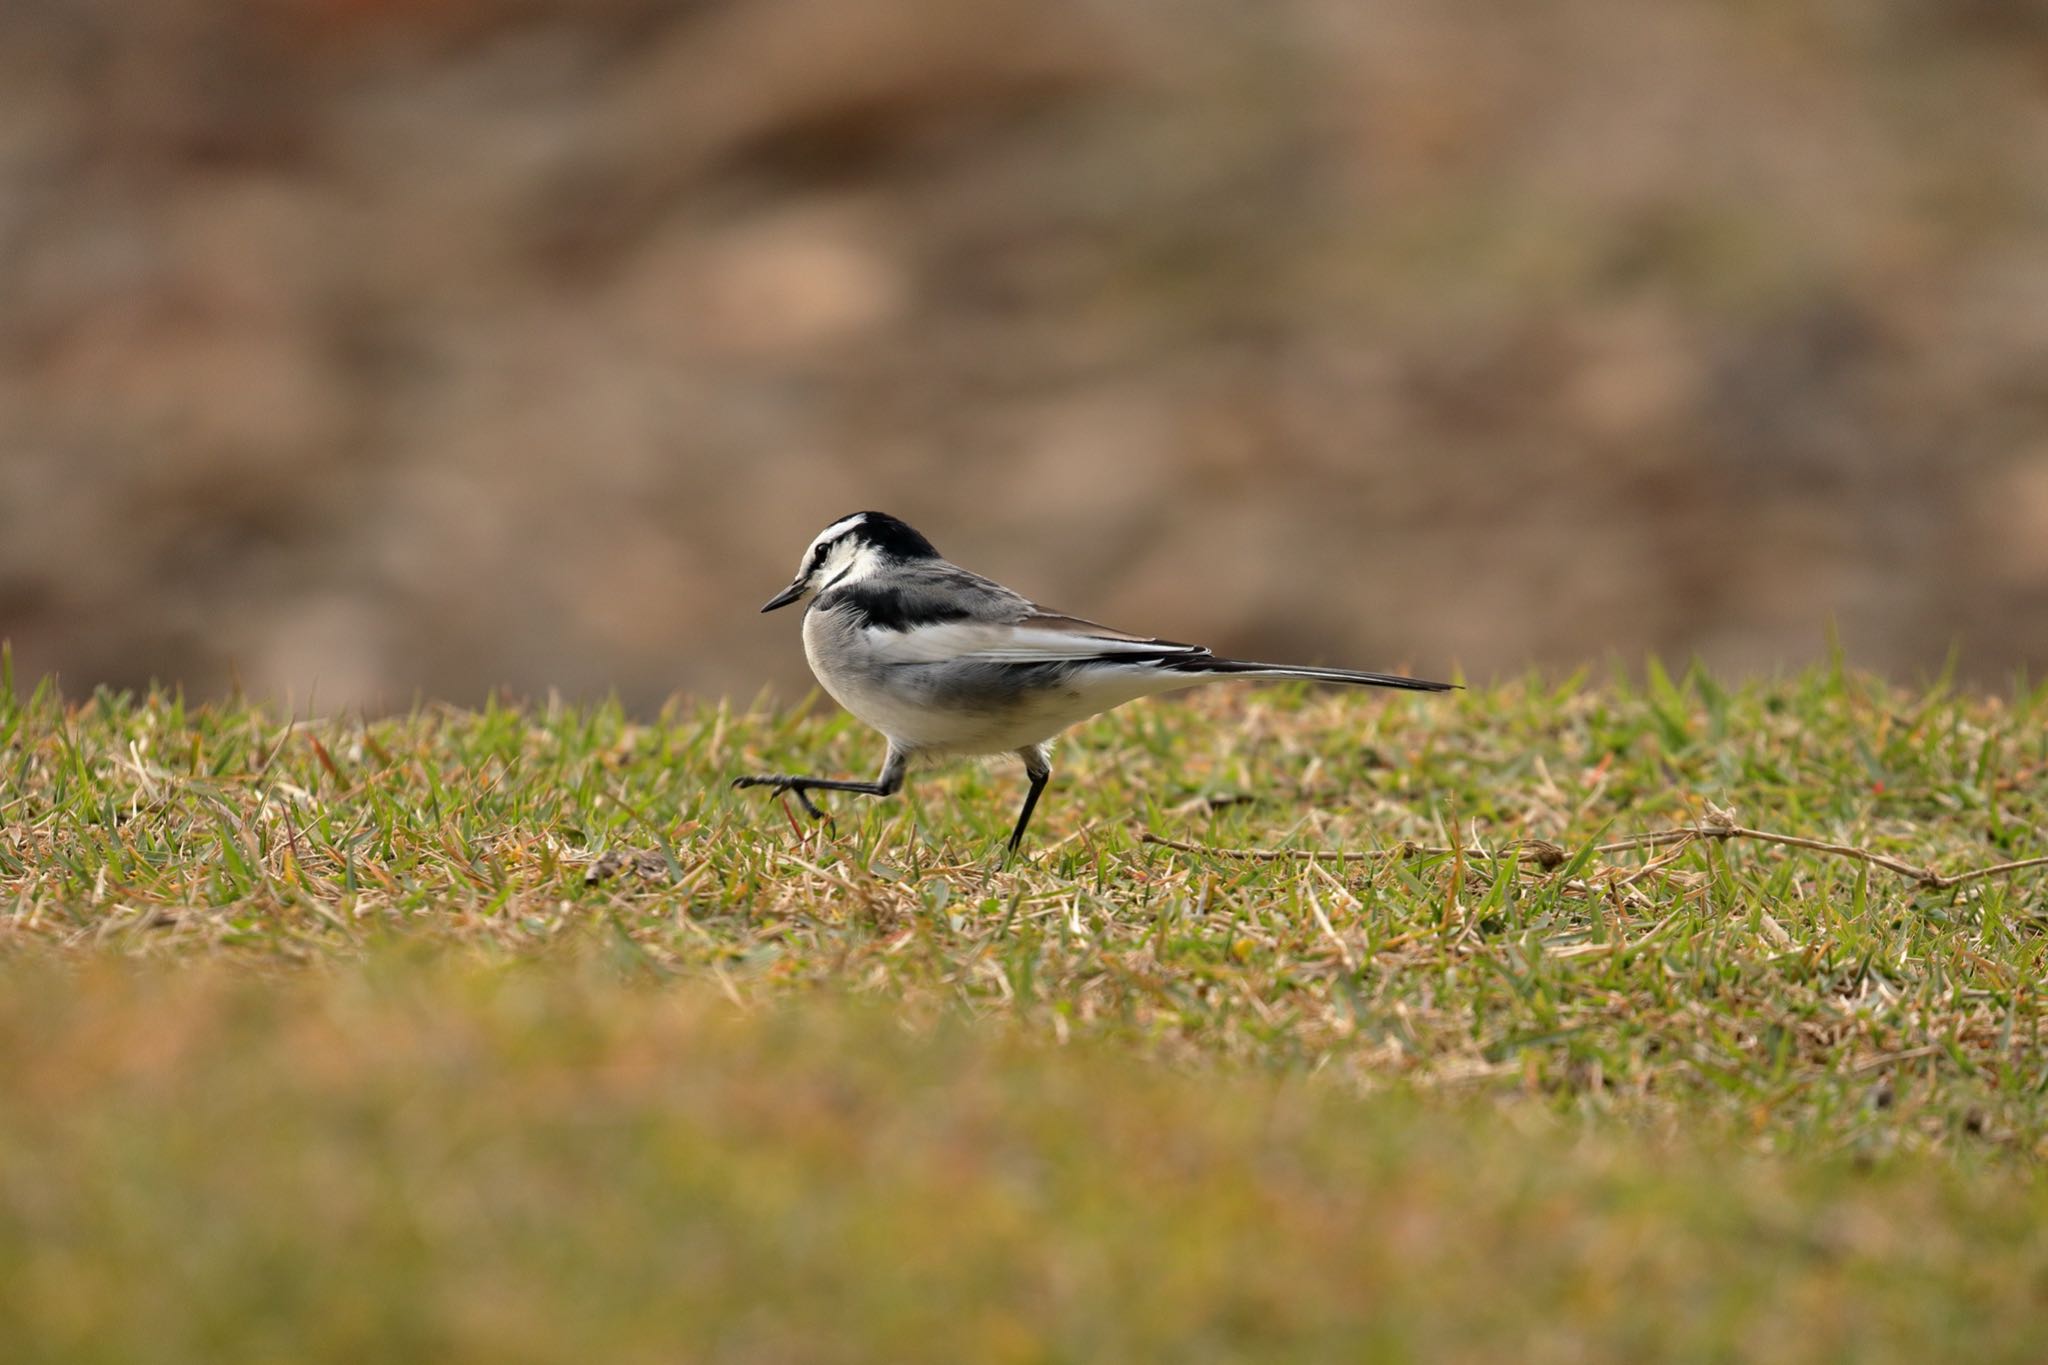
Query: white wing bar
[1022, 642]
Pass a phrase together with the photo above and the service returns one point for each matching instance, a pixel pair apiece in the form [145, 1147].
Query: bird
[944, 662]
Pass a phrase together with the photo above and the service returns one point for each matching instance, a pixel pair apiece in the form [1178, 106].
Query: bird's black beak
[785, 597]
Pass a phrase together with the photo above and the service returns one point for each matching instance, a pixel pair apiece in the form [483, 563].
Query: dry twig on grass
[1719, 825]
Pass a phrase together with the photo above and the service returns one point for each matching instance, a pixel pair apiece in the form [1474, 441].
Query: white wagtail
[946, 662]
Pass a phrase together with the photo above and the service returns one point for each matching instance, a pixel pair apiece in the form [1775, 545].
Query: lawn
[513, 1034]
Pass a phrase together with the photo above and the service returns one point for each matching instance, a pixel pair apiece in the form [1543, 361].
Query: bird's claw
[793, 786]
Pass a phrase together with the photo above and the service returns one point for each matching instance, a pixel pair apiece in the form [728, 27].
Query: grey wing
[1018, 632]
[936, 612]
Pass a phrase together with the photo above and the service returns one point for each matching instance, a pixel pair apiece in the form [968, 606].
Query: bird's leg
[887, 783]
[1039, 769]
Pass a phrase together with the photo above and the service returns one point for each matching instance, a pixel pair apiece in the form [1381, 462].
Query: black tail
[1346, 676]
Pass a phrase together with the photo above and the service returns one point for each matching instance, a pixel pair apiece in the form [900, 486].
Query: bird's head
[849, 550]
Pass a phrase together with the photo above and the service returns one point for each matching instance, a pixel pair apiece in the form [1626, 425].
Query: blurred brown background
[359, 348]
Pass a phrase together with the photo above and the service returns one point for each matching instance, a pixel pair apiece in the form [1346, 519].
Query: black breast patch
[894, 608]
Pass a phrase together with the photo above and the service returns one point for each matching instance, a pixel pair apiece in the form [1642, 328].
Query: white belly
[936, 731]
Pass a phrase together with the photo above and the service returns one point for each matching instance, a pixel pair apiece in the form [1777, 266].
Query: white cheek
[853, 565]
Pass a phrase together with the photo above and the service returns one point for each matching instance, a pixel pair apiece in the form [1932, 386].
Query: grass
[318, 1041]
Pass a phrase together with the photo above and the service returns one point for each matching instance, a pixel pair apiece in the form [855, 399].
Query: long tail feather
[1347, 676]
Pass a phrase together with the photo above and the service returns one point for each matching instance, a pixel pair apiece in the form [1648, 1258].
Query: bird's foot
[782, 783]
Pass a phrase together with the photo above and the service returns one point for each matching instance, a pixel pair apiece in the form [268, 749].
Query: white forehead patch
[837, 528]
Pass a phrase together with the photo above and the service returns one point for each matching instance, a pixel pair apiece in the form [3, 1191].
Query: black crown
[893, 537]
